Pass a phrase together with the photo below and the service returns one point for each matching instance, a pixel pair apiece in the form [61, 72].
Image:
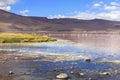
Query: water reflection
[105, 46]
[101, 41]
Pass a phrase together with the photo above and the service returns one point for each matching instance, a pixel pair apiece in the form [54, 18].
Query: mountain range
[10, 22]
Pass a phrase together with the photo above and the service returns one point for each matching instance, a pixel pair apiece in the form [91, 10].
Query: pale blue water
[65, 47]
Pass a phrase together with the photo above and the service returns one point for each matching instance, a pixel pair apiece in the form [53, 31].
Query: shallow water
[68, 54]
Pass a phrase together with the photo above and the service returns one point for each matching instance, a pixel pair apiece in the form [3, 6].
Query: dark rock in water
[87, 60]
[62, 76]
[105, 73]
[11, 72]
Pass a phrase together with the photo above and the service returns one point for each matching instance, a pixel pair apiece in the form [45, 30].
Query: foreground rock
[62, 76]
[11, 72]
[78, 74]
[87, 60]
[105, 73]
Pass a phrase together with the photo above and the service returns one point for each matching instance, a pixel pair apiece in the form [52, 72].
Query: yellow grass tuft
[23, 38]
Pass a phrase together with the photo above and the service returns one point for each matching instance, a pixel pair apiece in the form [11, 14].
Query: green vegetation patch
[23, 38]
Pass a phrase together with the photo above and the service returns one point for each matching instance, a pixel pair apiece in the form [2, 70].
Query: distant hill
[10, 22]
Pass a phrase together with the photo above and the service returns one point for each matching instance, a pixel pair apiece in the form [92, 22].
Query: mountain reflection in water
[105, 44]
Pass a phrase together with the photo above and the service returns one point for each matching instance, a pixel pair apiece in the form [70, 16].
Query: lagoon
[67, 55]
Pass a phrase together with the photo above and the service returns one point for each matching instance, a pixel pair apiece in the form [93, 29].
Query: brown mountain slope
[10, 22]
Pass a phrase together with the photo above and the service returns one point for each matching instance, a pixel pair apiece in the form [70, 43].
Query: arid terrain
[10, 22]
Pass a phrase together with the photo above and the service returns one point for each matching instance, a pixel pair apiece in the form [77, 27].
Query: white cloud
[7, 8]
[110, 7]
[83, 15]
[113, 6]
[56, 16]
[98, 4]
[6, 4]
[11, 1]
[24, 12]
[115, 3]
[113, 15]
[110, 11]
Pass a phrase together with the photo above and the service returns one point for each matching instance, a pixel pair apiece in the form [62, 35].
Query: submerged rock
[71, 72]
[11, 72]
[105, 73]
[81, 74]
[78, 74]
[62, 76]
[93, 79]
[87, 60]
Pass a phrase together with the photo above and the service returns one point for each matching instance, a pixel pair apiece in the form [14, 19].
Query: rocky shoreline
[10, 70]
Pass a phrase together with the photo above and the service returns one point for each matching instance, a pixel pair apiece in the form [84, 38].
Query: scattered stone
[5, 59]
[62, 76]
[26, 73]
[88, 60]
[92, 79]
[81, 74]
[16, 58]
[116, 71]
[78, 74]
[71, 72]
[3, 62]
[71, 67]
[105, 73]
[11, 72]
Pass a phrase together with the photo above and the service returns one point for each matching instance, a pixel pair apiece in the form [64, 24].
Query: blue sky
[80, 9]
